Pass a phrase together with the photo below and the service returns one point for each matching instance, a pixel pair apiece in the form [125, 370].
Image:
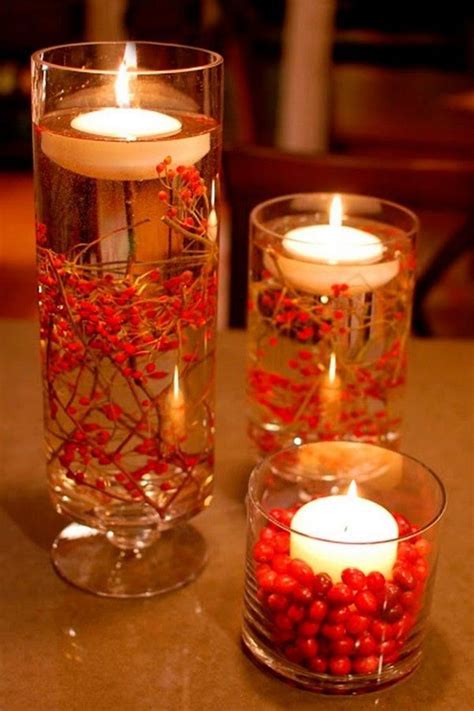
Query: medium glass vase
[329, 313]
[127, 142]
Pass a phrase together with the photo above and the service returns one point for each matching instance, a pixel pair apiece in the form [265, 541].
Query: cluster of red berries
[349, 627]
[184, 192]
[112, 329]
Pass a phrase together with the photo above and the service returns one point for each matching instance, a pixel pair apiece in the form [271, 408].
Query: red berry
[263, 552]
[294, 654]
[280, 563]
[402, 627]
[266, 580]
[365, 665]
[296, 613]
[340, 666]
[365, 645]
[375, 581]
[356, 624]
[333, 632]
[381, 631]
[284, 584]
[282, 542]
[423, 547]
[267, 534]
[407, 552]
[388, 647]
[308, 629]
[283, 516]
[322, 584]
[404, 526]
[318, 664]
[409, 599]
[404, 577]
[283, 622]
[420, 570]
[392, 614]
[340, 594]
[303, 595]
[344, 646]
[301, 571]
[282, 636]
[318, 610]
[388, 597]
[339, 615]
[277, 602]
[354, 578]
[307, 646]
[366, 602]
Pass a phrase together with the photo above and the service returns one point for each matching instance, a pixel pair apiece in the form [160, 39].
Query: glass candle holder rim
[215, 59]
[288, 529]
[254, 219]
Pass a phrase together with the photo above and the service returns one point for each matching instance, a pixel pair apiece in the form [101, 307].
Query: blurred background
[355, 78]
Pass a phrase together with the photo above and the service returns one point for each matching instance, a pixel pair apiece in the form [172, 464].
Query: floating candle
[344, 531]
[128, 142]
[323, 255]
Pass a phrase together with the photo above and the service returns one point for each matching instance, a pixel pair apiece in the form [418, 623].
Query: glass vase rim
[436, 518]
[254, 220]
[215, 59]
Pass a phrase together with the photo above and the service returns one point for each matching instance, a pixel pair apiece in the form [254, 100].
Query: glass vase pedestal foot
[85, 557]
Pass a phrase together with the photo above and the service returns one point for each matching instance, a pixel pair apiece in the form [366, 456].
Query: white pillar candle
[322, 255]
[344, 531]
[128, 142]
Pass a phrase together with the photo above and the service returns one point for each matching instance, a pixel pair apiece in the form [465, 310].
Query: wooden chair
[440, 191]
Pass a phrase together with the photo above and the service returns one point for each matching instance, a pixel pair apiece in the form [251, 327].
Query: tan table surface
[61, 649]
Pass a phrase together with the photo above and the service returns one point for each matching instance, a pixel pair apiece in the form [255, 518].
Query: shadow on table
[33, 513]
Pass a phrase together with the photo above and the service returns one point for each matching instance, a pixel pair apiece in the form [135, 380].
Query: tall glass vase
[127, 141]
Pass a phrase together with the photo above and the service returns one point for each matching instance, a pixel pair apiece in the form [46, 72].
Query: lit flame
[122, 89]
[335, 212]
[176, 391]
[352, 490]
[212, 199]
[332, 368]
[212, 222]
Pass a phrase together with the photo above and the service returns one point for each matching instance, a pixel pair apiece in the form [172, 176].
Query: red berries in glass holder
[353, 625]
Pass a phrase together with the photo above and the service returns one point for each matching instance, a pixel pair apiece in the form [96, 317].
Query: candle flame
[176, 391]
[335, 212]
[352, 490]
[332, 368]
[122, 88]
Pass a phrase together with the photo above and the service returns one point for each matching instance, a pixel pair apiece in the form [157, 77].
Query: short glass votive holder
[342, 550]
[329, 312]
